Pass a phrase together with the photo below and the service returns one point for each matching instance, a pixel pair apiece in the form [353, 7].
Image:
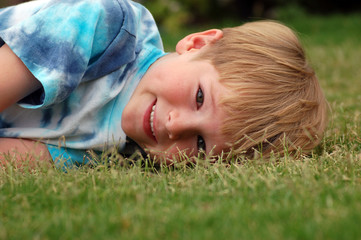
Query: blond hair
[276, 104]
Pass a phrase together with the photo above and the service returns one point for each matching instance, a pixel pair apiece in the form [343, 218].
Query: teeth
[151, 120]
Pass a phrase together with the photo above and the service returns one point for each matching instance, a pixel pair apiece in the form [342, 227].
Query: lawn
[318, 197]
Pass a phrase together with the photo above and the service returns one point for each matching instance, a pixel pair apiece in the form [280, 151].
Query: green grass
[316, 198]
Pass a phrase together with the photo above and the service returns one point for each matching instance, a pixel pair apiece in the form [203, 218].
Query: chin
[163, 157]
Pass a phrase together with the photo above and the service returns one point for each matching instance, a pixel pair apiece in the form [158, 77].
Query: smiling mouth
[151, 118]
[148, 121]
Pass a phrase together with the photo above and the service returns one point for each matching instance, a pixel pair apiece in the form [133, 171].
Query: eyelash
[201, 144]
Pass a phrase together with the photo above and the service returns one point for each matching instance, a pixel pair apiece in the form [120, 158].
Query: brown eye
[199, 98]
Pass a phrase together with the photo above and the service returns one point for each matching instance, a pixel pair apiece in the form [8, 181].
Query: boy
[86, 74]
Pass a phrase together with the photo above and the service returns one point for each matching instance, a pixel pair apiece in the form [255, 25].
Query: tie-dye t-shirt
[89, 56]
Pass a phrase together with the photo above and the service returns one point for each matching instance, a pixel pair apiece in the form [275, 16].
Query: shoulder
[109, 8]
[115, 13]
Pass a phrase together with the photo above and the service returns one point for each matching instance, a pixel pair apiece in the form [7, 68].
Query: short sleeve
[61, 44]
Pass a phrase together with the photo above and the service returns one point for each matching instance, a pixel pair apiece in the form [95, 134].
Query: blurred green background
[176, 14]
[173, 14]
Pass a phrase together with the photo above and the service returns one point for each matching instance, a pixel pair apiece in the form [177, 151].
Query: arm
[16, 81]
[23, 153]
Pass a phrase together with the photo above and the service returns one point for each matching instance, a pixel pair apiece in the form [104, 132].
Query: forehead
[217, 141]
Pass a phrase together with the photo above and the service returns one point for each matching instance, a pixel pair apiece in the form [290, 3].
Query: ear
[198, 40]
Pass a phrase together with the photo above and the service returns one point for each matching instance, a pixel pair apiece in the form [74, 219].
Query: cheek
[175, 84]
[175, 92]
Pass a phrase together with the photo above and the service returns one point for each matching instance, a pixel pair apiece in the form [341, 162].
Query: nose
[180, 124]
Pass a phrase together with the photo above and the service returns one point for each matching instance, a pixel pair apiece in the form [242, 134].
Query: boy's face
[175, 107]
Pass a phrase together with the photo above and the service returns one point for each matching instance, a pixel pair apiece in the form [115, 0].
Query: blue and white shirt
[89, 56]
